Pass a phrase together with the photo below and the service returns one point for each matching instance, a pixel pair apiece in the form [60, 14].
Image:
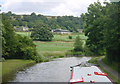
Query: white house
[61, 31]
[25, 29]
[80, 30]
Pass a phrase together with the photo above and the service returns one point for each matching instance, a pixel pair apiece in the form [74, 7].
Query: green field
[60, 43]
[65, 37]
[24, 33]
[58, 37]
[53, 46]
[12, 64]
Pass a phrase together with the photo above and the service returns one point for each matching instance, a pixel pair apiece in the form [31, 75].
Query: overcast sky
[47, 7]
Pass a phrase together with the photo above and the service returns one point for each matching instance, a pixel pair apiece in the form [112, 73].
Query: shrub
[78, 44]
[40, 58]
[73, 53]
[87, 51]
[70, 37]
[3, 59]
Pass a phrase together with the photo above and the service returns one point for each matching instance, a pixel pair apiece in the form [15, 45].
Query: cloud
[47, 7]
[72, 7]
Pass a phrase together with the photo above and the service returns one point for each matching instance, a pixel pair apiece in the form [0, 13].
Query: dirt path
[110, 70]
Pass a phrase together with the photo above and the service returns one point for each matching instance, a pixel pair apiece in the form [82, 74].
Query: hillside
[65, 22]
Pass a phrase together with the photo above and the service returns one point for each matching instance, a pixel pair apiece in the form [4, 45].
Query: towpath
[110, 70]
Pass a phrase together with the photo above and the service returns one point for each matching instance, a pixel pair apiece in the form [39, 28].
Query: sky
[47, 7]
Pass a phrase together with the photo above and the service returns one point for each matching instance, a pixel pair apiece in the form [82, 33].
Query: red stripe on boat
[100, 73]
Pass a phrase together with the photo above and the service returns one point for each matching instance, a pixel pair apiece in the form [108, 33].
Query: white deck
[82, 72]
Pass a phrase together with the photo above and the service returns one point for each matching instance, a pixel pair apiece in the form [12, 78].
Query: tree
[8, 38]
[67, 22]
[94, 28]
[78, 44]
[102, 29]
[112, 32]
[41, 32]
[15, 46]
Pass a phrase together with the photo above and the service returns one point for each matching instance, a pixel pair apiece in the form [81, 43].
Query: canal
[57, 70]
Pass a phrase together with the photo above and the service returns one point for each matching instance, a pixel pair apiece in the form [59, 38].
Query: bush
[70, 37]
[15, 46]
[73, 53]
[58, 56]
[87, 51]
[78, 44]
[29, 52]
[41, 58]
[3, 59]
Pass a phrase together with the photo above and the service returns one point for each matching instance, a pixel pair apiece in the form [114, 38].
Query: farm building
[21, 29]
[61, 31]
[80, 30]
[17, 29]
[25, 29]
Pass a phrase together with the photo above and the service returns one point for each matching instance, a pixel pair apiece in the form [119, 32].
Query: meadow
[59, 45]
[53, 46]
[24, 33]
[59, 37]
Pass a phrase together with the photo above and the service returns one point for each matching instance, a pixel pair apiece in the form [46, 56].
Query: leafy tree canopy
[78, 44]
[41, 32]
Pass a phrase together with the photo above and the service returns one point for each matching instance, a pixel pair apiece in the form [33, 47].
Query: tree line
[15, 46]
[102, 29]
[64, 22]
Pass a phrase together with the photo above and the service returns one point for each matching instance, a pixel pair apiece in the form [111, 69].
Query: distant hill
[64, 22]
[50, 17]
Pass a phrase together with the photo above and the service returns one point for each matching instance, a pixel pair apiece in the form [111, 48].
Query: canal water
[57, 70]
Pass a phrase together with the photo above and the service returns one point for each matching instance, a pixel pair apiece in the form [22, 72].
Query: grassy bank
[0, 68]
[94, 61]
[12, 64]
[114, 66]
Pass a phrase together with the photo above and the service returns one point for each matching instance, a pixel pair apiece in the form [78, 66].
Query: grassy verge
[10, 65]
[94, 61]
[73, 53]
[52, 55]
[114, 66]
[0, 71]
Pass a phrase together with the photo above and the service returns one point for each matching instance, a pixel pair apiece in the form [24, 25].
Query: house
[17, 29]
[25, 29]
[80, 30]
[21, 29]
[61, 31]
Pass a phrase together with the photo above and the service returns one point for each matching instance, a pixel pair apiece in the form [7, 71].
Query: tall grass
[10, 65]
